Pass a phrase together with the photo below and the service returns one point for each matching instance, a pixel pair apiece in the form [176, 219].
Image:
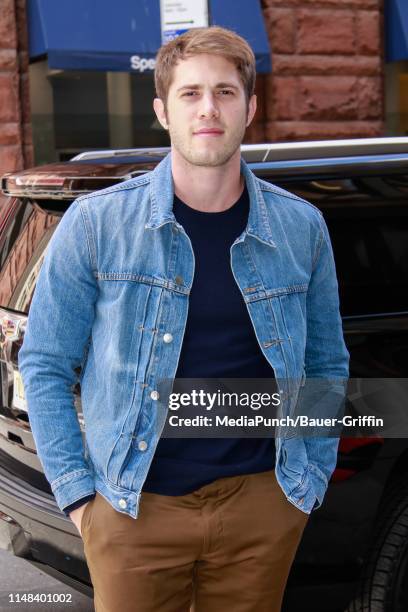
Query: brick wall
[327, 70]
[15, 132]
[326, 81]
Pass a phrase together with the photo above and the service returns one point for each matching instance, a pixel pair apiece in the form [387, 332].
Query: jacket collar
[162, 194]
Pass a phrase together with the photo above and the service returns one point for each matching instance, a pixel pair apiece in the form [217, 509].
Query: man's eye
[189, 93]
[226, 91]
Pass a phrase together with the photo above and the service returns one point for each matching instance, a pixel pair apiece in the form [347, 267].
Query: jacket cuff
[78, 504]
[72, 487]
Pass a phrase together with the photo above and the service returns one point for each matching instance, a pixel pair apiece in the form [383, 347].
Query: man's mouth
[208, 132]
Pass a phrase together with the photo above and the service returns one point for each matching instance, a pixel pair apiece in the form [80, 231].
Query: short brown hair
[213, 40]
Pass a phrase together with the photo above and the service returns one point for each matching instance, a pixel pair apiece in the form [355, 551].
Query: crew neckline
[206, 213]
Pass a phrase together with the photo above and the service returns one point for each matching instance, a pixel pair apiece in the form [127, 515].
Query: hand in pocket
[76, 516]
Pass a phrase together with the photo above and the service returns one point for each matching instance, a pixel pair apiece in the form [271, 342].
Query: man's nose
[208, 107]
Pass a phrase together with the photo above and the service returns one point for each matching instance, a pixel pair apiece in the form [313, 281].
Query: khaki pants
[227, 546]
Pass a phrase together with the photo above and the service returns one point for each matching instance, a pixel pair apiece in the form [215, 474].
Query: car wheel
[384, 583]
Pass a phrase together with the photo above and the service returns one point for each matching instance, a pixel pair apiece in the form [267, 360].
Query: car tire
[384, 582]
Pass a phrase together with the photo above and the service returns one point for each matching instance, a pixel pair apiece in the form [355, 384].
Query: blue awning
[396, 30]
[105, 35]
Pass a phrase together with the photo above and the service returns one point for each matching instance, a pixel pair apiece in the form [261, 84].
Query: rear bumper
[33, 527]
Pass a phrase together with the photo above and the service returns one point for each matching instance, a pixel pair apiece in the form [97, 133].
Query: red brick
[10, 158]
[326, 65]
[325, 31]
[270, 131]
[8, 59]
[316, 130]
[327, 98]
[8, 34]
[27, 134]
[255, 133]
[368, 32]
[23, 60]
[9, 133]
[13, 83]
[25, 98]
[282, 96]
[21, 18]
[9, 104]
[346, 3]
[280, 26]
[260, 88]
[28, 153]
[323, 3]
[282, 3]
[370, 98]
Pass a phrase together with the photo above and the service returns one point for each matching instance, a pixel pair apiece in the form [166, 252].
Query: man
[198, 270]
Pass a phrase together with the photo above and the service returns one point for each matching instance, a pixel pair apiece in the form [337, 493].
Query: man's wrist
[78, 503]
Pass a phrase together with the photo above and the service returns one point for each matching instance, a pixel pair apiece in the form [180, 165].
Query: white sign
[178, 16]
[140, 64]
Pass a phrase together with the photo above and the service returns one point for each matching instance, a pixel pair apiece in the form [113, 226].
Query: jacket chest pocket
[290, 314]
[279, 316]
[126, 317]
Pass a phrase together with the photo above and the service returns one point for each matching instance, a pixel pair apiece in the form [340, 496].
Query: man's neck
[209, 189]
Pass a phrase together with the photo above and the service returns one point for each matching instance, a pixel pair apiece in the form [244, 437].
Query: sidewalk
[18, 577]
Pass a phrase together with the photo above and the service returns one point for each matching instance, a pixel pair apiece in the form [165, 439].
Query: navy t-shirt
[219, 342]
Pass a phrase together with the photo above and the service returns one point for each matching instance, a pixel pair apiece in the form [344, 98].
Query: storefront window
[396, 98]
[74, 111]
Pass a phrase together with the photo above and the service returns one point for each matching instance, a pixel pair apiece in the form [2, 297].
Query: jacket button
[301, 501]
[167, 338]
[122, 503]
[179, 280]
[154, 395]
[142, 445]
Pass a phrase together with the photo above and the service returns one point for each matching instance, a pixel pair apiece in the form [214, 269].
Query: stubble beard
[206, 158]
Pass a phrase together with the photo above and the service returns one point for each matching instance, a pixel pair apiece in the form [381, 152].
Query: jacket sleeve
[326, 353]
[326, 363]
[58, 329]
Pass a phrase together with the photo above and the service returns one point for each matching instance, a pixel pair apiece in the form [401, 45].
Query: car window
[21, 252]
[371, 255]
[367, 219]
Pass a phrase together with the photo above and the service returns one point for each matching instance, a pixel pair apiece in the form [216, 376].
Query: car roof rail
[278, 150]
[141, 151]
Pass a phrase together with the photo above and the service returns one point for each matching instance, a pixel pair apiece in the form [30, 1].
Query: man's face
[206, 111]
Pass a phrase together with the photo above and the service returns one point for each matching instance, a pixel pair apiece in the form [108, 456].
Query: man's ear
[251, 109]
[160, 111]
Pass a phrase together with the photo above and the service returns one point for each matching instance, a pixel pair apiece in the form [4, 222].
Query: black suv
[354, 553]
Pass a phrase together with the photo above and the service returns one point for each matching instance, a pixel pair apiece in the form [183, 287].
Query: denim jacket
[111, 301]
